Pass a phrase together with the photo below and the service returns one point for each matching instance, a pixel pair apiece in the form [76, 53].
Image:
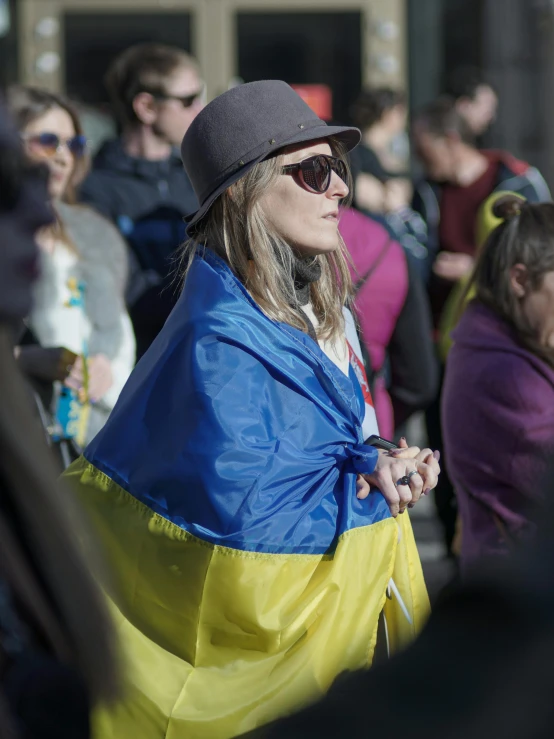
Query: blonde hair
[47, 570]
[237, 230]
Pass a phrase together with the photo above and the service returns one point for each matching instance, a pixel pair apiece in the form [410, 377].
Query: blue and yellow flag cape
[224, 490]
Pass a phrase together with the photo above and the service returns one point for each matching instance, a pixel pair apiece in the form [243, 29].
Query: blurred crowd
[453, 274]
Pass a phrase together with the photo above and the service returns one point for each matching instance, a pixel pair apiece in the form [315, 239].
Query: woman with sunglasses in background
[231, 485]
[80, 336]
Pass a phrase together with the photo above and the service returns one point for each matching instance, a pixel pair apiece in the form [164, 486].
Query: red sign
[318, 97]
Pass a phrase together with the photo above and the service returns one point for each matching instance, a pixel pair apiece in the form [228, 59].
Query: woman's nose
[63, 156]
[337, 187]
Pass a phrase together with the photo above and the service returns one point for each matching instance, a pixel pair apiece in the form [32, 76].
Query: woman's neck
[305, 271]
[471, 167]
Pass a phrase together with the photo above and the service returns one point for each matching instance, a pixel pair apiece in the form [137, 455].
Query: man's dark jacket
[147, 201]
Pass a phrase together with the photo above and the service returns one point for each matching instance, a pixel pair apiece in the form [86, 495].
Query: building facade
[67, 44]
[341, 44]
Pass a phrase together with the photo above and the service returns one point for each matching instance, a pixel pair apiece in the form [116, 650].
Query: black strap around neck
[305, 271]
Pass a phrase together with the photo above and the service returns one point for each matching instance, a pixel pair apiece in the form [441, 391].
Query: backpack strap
[371, 373]
[368, 275]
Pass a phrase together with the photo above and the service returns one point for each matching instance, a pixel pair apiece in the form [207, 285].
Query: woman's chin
[314, 251]
[323, 244]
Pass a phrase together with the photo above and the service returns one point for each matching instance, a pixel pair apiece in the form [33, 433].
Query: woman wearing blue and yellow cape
[230, 485]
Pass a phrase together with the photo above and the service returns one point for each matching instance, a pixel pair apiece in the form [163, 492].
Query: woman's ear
[518, 280]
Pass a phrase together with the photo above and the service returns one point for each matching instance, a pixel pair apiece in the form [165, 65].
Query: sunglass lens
[49, 142]
[188, 101]
[77, 146]
[316, 173]
[339, 167]
[322, 173]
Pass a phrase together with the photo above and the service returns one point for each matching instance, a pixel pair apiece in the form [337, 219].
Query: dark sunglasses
[186, 101]
[315, 172]
[50, 143]
[16, 172]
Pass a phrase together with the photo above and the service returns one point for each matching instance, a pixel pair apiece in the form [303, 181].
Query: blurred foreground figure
[138, 180]
[55, 644]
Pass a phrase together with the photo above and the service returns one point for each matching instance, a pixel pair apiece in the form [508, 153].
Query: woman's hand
[419, 468]
[429, 458]
[452, 266]
[100, 378]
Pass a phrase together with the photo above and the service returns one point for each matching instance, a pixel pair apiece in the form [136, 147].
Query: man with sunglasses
[138, 180]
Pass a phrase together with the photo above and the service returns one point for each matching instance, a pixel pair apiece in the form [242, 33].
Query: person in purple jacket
[498, 399]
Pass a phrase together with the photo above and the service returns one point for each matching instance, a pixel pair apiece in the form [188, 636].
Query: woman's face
[23, 211]
[61, 162]
[538, 306]
[306, 220]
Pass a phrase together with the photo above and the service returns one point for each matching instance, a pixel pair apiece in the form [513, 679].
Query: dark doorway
[304, 48]
[92, 40]
[463, 34]
[8, 45]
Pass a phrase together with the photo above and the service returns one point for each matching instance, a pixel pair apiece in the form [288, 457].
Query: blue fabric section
[240, 429]
[357, 387]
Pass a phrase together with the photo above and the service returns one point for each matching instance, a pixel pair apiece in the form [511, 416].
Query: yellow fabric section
[408, 578]
[219, 641]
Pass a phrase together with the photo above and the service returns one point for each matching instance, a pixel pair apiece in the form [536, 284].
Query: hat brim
[347, 135]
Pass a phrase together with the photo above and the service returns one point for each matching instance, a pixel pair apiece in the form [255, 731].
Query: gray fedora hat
[240, 128]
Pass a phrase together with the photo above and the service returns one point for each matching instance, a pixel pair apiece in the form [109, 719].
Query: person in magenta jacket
[395, 321]
[498, 401]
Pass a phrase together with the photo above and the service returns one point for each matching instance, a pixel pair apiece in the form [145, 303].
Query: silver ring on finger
[406, 479]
